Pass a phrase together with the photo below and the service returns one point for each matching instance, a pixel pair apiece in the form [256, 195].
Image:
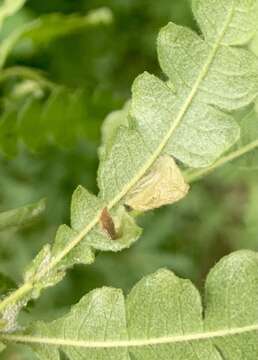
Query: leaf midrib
[114, 344]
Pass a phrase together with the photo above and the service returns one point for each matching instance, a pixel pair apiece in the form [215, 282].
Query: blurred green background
[100, 63]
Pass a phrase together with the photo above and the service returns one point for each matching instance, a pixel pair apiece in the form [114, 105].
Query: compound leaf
[182, 117]
[162, 317]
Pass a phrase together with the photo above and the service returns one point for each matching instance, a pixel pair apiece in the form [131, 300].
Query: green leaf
[244, 152]
[8, 133]
[179, 117]
[33, 136]
[8, 8]
[70, 247]
[242, 15]
[38, 273]
[231, 80]
[60, 122]
[22, 216]
[84, 208]
[81, 254]
[52, 26]
[162, 317]
[110, 126]
[49, 27]
[56, 123]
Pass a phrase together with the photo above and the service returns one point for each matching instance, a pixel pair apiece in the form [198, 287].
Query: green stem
[222, 161]
[16, 296]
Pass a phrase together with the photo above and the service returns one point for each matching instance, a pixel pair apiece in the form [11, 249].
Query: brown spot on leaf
[107, 224]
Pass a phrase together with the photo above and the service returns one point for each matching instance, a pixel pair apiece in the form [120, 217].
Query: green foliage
[22, 216]
[50, 27]
[53, 121]
[8, 8]
[162, 316]
[241, 15]
[35, 105]
[193, 115]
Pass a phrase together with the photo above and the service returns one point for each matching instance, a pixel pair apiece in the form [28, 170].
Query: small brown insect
[107, 224]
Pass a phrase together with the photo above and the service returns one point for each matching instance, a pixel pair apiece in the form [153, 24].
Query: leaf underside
[183, 117]
[162, 317]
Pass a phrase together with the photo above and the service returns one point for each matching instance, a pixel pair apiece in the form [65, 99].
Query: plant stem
[16, 296]
[196, 175]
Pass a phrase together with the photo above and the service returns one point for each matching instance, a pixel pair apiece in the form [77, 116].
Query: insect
[107, 224]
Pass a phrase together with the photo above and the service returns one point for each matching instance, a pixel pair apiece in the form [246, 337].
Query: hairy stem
[15, 296]
[196, 175]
